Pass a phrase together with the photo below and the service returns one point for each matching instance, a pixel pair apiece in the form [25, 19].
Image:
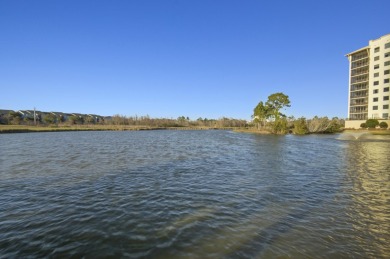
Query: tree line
[16, 118]
[181, 121]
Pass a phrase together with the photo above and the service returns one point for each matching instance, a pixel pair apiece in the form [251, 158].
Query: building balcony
[361, 56]
[356, 81]
[358, 116]
[359, 74]
[361, 96]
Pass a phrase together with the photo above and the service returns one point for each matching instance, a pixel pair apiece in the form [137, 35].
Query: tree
[260, 113]
[14, 117]
[383, 125]
[50, 118]
[272, 108]
[74, 119]
[372, 123]
[276, 102]
[90, 119]
[363, 125]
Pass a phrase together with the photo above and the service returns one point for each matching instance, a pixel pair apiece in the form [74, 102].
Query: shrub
[383, 125]
[300, 127]
[280, 126]
[50, 118]
[363, 125]
[372, 123]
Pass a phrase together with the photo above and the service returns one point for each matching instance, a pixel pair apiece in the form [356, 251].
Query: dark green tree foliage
[372, 123]
[383, 125]
[275, 103]
[363, 125]
[260, 113]
[271, 109]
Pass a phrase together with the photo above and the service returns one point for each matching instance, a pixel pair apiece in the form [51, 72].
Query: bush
[383, 125]
[363, 125]
[50, 118]
[300, 127]
[280, 126]
[372, 123]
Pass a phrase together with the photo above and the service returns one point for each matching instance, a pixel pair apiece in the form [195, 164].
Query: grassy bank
[26, 128]
[370, 131]
[251, 130]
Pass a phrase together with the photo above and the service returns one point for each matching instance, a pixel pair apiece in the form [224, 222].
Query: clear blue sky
[196, 58]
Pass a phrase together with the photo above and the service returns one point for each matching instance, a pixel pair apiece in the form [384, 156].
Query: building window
[387, 63]
[375, 107]
[375, 99]
[375, 91]
[385, 98]
[387, 54]
[376, 49]
[386, 80]
[387, 45]
[376, 58]
[386, 89]
[376, 74]
[385, 115]
[376, 66]
[386, 107]
[387, 72]
[376, 82]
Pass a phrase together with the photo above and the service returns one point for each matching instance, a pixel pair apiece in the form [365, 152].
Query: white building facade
[369, 83]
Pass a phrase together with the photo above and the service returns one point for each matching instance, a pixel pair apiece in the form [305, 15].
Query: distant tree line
[17, 118]
[181, 121]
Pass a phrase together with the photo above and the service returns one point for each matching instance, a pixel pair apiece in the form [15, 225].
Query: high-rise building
[369, 81]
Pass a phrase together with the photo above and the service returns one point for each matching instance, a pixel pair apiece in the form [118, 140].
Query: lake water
[194, 194]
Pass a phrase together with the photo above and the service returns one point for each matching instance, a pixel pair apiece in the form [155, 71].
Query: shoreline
[8, 129]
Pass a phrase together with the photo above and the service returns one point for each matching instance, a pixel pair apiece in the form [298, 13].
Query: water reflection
[368, 167]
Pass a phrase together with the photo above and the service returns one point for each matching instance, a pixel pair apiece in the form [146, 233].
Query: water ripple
[200, 194]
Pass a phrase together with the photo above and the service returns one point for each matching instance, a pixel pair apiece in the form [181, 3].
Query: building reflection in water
[368, 170]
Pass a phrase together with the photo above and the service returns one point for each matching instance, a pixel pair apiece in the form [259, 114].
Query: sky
[192, 58]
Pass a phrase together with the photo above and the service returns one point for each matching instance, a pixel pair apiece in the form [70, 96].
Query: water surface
[193, 194]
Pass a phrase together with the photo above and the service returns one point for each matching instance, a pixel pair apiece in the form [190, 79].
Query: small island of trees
[268, 117]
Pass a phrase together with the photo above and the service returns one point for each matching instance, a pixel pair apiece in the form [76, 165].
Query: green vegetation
[383, 125]
[50, 119]
[275, 103]
[268, 116]
[372, 123]
[24, 122]
[300, 126]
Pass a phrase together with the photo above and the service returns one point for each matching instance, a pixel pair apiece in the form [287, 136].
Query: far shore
[62, 128]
